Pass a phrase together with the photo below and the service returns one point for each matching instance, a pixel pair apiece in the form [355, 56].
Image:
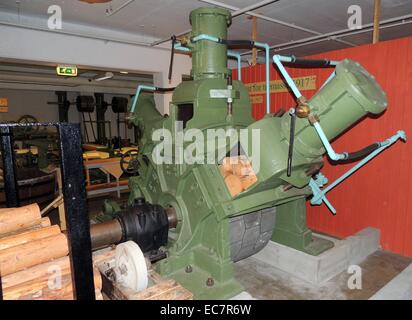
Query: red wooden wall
[379, 194]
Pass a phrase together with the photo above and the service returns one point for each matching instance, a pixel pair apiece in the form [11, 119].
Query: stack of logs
[238, 174]
[34, 262]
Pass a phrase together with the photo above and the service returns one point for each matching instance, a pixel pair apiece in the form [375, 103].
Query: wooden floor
[265, 282]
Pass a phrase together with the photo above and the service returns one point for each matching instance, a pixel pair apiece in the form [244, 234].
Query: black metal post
[9, 167]
[101, 108]
[63, 105]
[77, 220]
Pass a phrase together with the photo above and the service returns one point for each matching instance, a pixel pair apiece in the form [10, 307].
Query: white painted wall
[49, 47]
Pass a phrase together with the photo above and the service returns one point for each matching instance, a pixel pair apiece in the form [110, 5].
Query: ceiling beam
[269, 19]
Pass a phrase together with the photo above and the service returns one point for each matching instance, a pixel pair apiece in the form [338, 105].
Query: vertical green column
[291, 230]
[209, 59]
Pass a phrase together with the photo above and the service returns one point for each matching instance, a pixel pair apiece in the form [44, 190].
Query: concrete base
[399, 288]
[321, 268]
[244, 295]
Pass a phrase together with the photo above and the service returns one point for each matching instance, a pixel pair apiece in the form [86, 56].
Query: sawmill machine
[191, 212]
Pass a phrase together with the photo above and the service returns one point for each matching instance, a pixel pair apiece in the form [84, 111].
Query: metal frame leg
[77, 220]
[74, 193]
[9, 168]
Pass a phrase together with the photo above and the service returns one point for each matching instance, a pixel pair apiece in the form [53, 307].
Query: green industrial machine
[211, 227]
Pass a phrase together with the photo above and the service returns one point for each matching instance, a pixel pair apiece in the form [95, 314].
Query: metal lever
[292, 113]
[172, 54]
[319, 195]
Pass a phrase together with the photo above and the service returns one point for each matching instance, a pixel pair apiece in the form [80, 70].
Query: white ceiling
[149, 20]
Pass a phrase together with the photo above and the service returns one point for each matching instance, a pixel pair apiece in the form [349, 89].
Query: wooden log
[43, 271]
[55, 287]
[28, 236]
[19, 218]
[32, 253]
[42, 223]
[40, 271]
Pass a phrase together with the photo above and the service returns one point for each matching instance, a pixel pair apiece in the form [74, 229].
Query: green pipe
[231, 54]
[277, 59]
[236, 55]
[267, 58]
[140, 88]
[319, 195]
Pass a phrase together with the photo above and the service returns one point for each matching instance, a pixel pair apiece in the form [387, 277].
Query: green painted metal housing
[198, 191]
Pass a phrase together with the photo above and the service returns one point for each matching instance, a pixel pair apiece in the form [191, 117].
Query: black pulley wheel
[27, 119]
[119, 104]
[85, 103]
[129, 162]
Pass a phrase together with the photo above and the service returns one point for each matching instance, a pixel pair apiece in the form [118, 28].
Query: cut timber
[238, 174]
[32, 253]
[19, 218]
[28, 236]
[164, 290]
[234, 184]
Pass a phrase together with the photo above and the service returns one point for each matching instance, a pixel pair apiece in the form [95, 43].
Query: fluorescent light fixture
[124, 72]
[105, 76]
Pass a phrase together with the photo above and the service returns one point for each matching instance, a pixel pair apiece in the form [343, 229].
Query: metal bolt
[210, 282]
[189, 268]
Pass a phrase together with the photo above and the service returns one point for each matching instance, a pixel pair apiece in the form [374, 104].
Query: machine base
[290, 229]
[197, 283]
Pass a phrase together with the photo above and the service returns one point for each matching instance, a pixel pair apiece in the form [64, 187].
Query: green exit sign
[68, 71]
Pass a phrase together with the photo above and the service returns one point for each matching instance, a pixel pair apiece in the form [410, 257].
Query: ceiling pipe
[234, 14]
[112, 12]
[255, 6]
[339, 33]
[354, 33]
[73, 81]
[266, 18]
[76, 34]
